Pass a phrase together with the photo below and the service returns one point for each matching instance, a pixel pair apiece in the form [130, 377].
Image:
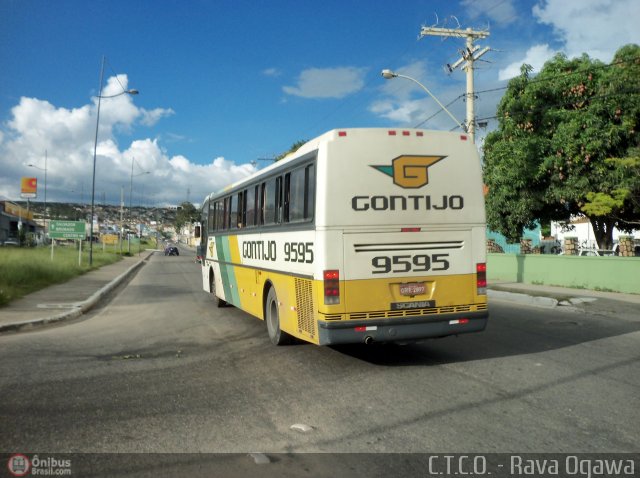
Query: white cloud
[328, 82]
[595, 27]
[403, 112]
[149, 118]
[535, 56]
[273, 72]
[500, 12]
[67, 135]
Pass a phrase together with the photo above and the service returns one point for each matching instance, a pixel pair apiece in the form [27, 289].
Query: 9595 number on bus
[298, 252]
[410, 263]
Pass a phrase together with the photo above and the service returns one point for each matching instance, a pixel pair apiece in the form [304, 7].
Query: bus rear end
[407, 208]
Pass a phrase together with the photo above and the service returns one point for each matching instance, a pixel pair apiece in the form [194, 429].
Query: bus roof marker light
[342, 133]
[392, 133]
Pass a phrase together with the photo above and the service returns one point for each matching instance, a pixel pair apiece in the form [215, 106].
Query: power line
[440, 111]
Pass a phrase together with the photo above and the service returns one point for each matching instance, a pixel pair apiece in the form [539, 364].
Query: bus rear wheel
[212, 290]
[272, 317]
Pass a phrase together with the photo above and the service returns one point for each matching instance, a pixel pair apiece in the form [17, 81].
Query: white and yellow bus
[362, 235]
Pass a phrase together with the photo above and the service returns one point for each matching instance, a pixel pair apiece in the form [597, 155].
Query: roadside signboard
[67, 230]
[28, 187]
[109, 239]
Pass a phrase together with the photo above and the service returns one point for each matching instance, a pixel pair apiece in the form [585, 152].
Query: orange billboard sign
[29, 187]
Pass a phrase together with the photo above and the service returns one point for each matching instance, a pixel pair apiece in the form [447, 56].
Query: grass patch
[26, 270]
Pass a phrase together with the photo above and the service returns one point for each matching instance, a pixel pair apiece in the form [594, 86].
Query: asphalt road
[159, 368]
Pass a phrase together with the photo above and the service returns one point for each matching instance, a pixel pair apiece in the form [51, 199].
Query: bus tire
[272, 318]
[212, 290]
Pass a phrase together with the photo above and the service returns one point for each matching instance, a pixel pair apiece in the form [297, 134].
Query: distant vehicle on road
[171, 251]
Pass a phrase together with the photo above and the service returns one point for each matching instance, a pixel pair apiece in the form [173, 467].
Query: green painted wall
[618, 274]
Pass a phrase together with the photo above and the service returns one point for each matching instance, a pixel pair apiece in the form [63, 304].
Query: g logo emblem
[410, 172]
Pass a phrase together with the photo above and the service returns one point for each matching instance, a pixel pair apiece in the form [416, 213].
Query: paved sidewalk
[70, 299]
[560, 293]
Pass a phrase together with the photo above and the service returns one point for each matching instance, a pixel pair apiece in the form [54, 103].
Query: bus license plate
[412, 289]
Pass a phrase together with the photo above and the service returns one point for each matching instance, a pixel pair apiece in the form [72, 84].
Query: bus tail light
[481, 278]
[331, 287]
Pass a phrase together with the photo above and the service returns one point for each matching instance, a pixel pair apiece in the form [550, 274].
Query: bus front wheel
[212, 290]
[272, 317]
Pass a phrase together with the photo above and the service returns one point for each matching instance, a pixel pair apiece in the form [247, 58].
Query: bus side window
[310, 191]
[270, 208]
[287, 196]
[252, 207]
[256, 219]
[263, 200]
[233, 216]
[296, 195]
[218, 211]
[211, 216]
[279, 199]
[242, 208]
[227, 213]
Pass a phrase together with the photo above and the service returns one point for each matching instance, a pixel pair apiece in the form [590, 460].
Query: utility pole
[469, 56]
[121, 214]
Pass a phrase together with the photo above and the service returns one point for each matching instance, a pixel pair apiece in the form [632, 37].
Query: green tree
[568, 143]
[294, 147]
[187, 214]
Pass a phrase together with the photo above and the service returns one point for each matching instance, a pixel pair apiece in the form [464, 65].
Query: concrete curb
[79, 308]
[522, 298]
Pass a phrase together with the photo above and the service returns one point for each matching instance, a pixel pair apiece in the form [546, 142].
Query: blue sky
[225, 82]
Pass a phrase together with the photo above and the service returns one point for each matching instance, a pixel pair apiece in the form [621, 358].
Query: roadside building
[13, 218]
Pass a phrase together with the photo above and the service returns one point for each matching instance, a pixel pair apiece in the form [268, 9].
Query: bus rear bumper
[400, 330]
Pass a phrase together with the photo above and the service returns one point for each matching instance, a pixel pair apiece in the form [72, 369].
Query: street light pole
[93, 183]
[131, 186]
[45, 195]
[388, 74]
[95, 148]
[45, 187]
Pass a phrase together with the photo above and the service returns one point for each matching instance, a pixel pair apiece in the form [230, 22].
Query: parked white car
[596, 252]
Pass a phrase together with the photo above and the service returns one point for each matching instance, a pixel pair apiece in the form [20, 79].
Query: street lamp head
[388, 74]
[125, 92]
